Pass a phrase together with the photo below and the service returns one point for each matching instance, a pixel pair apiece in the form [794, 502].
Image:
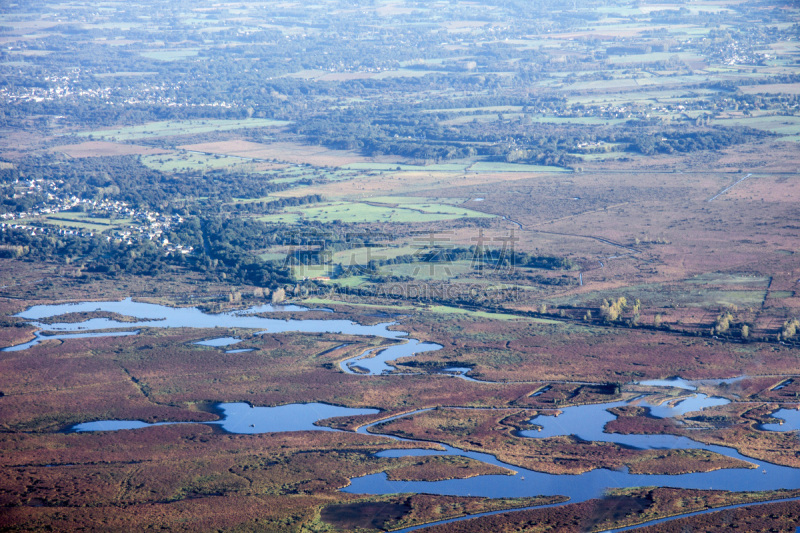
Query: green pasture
[477, 110]
[117, 25]
[266, 199]
[79, 221]
[170, 55]
[403, 73]
[311, 271]
[489, 166]
[363, 255]
[578, 120]
[324, 301]
[780, 124]
[350, 281]
[190, 161]
[775, 295]
[607, 156]
[482, 118]
[169, 128]
[288, 180]
[125, 74]
[722, 278]
[666, 295]
[652, 96]
[307, 74]
[272, 256]
[414, 200]
[653, 57]
[390, 167]
[447, 310]
[433, 271]
[356, 212]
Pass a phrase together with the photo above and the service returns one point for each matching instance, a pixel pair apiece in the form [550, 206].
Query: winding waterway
[586, 422]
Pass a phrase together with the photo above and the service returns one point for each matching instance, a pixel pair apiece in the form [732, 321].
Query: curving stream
[586, 422]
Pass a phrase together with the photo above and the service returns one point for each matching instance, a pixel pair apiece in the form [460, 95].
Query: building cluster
[142, 225]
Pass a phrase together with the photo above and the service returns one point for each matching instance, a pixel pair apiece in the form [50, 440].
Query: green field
[272, 256]
[189, 161]
[357, 212]
[774, 295]
[720, 278]
[653, 57]
[489, 117]
[780, 124]
[311, 271]
[169, 128]
[484, 166]
[444, 309]
[430, 271]
[170, 55]
[79, 221]
[324, 301]
[484, 109]
[362, 256]
[124, 74]
[351, 281]
[658, 295]
[389, 167]
[414, 200]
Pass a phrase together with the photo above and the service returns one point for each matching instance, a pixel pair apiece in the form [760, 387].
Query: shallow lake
[239, 417]
[790, 418]
[219, 342]
[159, 316]
[585, 422]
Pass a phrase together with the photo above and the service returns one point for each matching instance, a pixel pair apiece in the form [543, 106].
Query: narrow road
[728, 188]
[599, 239]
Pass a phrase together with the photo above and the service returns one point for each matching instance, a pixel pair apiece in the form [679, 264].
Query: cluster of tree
[649, 143]
[789, 328]
[224, 250]
[126, 179]
[274, 205]
[722, 323]
[612, 311]
[90, 253]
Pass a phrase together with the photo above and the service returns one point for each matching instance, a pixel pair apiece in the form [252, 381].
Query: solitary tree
[278, 296]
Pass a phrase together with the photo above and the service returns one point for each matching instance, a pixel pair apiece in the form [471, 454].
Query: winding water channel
[586, 422]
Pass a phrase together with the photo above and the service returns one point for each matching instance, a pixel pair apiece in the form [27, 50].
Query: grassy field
[388, 167]
[444, 309]
[170, 55]
[434, 271]
[689, 296]
[488, 167]
[724, 278]
[188, 161]
[103, 148]
[653, 57]
[170, 128]
[780, 124]
[311, 271]
[361, 256]
[324, 301]
[357, 212]
[414, 200]
[288, 152]
[80, 221]
[350, 281]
